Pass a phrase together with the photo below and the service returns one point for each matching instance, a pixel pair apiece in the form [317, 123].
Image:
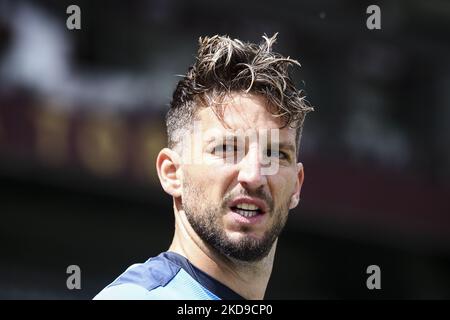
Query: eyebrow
[227, 137]
[231, 137]
[287, 146]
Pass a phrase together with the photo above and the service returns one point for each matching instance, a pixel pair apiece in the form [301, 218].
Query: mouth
[248, 208]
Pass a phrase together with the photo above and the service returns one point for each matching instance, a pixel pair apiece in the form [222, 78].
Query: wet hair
[224, 66]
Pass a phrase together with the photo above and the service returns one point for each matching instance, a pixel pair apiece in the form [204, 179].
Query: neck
[248, 279]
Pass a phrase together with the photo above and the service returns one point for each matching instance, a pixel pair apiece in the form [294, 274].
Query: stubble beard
[206, 220]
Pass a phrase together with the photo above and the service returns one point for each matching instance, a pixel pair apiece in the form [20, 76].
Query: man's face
[229, 200]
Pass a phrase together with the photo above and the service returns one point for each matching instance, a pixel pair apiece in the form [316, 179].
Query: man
[234, 128]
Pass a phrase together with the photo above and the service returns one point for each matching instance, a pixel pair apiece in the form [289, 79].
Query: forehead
[243, 112]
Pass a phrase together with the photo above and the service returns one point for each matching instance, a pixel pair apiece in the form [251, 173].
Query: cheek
[214, 180]
[282, 185]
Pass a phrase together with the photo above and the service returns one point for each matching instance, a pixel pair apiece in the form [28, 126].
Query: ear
[168, 165]
[295, 198]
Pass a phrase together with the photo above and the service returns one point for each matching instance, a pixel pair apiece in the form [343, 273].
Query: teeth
[247, 214]
[247, 206]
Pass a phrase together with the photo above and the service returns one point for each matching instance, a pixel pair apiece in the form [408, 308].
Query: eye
[224, 148]
[277, 154]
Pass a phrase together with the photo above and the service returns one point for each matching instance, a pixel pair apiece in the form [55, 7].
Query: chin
[239, 236]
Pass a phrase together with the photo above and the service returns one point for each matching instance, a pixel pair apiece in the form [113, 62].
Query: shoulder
[157, 278]
[139, 279]
[155, 272]
[127, 291]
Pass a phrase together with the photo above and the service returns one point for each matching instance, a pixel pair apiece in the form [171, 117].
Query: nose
[250, 175]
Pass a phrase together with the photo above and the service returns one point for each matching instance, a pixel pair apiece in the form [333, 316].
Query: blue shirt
[168, 276]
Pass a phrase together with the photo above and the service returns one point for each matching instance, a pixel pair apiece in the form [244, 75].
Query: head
[235, 114]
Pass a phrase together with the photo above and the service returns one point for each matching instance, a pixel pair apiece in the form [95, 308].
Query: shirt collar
[216, 287]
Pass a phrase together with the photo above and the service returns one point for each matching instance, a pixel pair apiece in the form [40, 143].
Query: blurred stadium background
[81, 121]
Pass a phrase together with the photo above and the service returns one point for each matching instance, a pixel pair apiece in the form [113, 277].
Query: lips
[248, 207]
[248, 213]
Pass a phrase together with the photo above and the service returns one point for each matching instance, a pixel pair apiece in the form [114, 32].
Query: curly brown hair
[225, 65]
